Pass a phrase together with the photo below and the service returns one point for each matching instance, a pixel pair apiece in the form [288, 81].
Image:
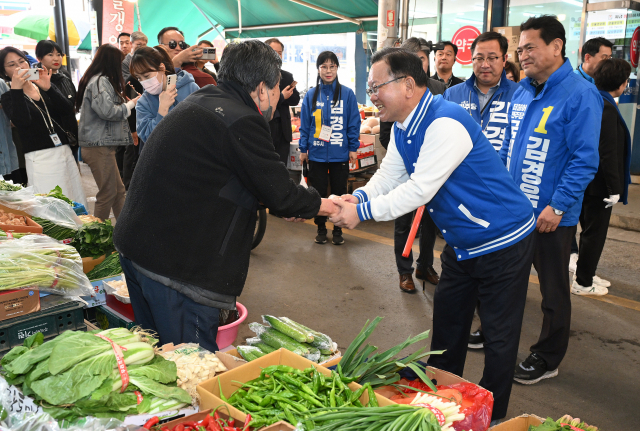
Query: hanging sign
[463, 38]
[391, 18]
[635, 49]
[117, 17]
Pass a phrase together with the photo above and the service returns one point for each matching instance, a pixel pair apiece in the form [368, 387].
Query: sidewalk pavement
[628, 216]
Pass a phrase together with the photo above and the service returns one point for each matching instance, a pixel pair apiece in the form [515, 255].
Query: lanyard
[50, 123]
[485, 107]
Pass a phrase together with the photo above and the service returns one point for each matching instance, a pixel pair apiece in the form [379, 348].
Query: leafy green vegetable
[53, 230]
[6, 187]
[57, 193]
[152, 387]
[94, 239]
[159, 369]
[107, 268]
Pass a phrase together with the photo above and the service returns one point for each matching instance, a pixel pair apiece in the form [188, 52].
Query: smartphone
[208, 54]
[171, 80]
[293, 84]
[33, 75]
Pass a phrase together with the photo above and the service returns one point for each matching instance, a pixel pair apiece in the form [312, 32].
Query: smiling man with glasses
[180, 52]
[438, 157]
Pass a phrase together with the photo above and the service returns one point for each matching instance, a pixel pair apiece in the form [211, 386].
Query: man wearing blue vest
[552, 158]
[439, 157]
[486, 96]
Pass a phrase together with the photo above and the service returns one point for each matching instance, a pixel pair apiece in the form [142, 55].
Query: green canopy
[157, 14]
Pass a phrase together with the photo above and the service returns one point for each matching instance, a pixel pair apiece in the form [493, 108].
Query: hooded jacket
[219, 146]
[147, 116]
[494, 118]
[344, 119]
[551, 144]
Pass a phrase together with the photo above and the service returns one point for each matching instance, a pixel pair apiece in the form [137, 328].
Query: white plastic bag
[54, 209]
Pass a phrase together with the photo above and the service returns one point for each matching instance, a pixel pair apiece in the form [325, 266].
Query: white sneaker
[601, 282]
[573, 262]
[593, 290]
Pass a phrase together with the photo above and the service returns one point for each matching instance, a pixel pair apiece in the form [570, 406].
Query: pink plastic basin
[227, 334]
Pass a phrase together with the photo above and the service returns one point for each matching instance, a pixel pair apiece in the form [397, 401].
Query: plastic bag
[111, 290]
[40, 262]
[54, 209]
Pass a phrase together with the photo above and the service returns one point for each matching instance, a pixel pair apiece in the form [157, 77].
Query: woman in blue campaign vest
[329, 135]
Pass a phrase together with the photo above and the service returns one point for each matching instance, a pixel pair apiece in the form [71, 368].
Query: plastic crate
[79, 209]
[109, 318]
[50, 321]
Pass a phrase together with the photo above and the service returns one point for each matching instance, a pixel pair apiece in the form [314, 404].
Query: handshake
[341, 211]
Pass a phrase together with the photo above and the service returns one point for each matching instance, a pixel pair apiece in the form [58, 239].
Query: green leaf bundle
[94, 239]
[107, 268]
[53, 230]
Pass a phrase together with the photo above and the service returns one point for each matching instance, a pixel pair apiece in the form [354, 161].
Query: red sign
[463, 39]
[391, 18]
[117, 17]
[635, 48]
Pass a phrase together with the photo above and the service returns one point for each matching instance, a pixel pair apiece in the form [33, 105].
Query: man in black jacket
[289, 96]
[185, 232]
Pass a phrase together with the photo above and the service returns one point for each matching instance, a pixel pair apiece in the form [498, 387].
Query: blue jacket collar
[504, 82]
[419, 113]
[582, 73]
[556, 77]
[328, 88]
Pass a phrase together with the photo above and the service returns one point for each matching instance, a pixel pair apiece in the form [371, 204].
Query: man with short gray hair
[214, 148]
[138, 40]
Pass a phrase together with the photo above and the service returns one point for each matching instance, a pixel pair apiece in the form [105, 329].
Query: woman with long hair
[104, 109]
[152, 66]
[38, 110]
[329, 135]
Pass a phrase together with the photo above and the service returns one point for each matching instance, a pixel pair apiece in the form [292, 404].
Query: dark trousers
[129, 164]
[120, 158]
[321, 174]
[174, 317]
[594, 220]
[574, 246]
[281, 144]
[402, 227]
[551, 260]
[499, 281]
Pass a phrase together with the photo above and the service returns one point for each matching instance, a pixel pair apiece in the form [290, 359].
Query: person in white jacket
[439, 157]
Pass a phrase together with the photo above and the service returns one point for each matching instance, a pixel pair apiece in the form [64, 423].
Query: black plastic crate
[50, 321]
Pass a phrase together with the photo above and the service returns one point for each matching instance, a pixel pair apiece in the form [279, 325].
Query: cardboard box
[279, 426]
[512, 56]
[512, 34]
[209, 389]
[11, 210]
[521, 423]
[197, 417]
[294, 157]
[31, 227]
[380, 152]
[365, 150]
[14, 303]
[331, 362]
[367, 162]
[370, 139]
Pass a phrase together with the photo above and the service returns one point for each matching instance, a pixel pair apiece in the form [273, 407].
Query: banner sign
[117, 17]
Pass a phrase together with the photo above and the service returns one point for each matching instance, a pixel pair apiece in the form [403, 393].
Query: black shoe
[337, 237]
[476, 339]
[321, 238]
[532, 370]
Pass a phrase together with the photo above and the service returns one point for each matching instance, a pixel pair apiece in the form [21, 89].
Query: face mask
[267, 113]
[152, 85]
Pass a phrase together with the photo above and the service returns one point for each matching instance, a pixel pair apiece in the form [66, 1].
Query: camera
[208, 54]
[435, 46]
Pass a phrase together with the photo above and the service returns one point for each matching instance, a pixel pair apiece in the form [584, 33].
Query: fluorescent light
[528, 14]
[573, 2]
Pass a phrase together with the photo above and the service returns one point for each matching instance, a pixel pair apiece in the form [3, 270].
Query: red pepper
[246, 422]
[230, 429]
[190, 424]
[214, 426]
[178, 427]
[231, 423]
[216, 416]
[151, 422]
[205, 421]
[165, 429]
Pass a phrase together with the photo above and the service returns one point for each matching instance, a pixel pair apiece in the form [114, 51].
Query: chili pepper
[178, 427]
[311, 400]
[283, 368]
[332, 397]
[265, 401]
[246, 422]
[205, 421]
[373, 401]
[230, 429]
[191, 424]
[151, 422]
[165, 429]
[214, 426]
[216, 416]
[231, 422]
[357, 394]
[290, 418]
[316, 382]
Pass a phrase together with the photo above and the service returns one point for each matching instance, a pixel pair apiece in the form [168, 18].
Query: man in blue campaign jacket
[486, 96]
[438, 157]
[552, 158]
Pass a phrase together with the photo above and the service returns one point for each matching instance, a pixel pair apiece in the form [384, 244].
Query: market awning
[258, 18]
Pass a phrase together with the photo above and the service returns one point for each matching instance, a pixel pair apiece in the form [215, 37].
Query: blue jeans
[174, 317]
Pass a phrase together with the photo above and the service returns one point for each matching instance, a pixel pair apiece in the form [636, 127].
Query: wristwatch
[557, 212]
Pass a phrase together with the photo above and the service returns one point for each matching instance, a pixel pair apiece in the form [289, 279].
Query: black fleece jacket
[190, 211]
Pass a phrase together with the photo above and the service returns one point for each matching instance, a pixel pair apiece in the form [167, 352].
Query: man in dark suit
[281, 123]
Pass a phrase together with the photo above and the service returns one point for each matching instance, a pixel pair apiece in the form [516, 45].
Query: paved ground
[336, 289]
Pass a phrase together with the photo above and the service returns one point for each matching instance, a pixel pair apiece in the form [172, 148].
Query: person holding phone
[153, 68]
[38, 109]
[329, 136]
[281, 132]
[104, 109]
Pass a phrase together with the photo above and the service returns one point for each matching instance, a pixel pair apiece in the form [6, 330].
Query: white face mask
[152, 85]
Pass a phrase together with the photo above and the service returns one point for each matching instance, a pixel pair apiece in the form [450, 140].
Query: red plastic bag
[477, 404]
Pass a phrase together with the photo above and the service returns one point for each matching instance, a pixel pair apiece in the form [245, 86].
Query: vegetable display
[56, 192]
[113, 373]
[9, 187]
[565, 423]
[381, 369]
[14, 235]
[107, 268]
[12, 219]
[94, 239]
[53, 230]
[286, 393]
[37, 261]
[283, 332]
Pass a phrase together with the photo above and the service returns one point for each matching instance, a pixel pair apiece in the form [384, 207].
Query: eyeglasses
[172, 44]
[331, 68]
[480, 60]
[20, 62]
[375, 88]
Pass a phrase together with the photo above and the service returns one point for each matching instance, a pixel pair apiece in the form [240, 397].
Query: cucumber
[279, 340]
[293, 331]
[266, 349]
[320, 340]
[324, 358]
[314, 354]
[326, 352]
[249, 353]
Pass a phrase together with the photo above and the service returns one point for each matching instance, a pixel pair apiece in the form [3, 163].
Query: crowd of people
[506, 170]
